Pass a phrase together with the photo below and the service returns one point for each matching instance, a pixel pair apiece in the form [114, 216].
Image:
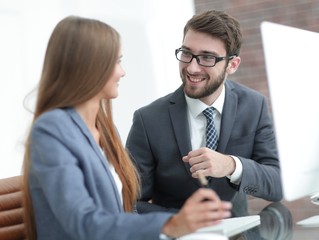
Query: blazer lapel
[78, 120]
[178, 114]
[228, 117]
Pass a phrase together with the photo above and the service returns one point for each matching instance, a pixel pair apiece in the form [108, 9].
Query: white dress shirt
[197, 127]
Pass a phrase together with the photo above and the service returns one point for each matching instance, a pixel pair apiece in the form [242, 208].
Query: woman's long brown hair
[80, 58]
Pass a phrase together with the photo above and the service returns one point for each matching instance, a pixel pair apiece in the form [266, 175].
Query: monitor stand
[314, 220]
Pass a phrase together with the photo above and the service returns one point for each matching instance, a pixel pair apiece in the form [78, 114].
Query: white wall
[151, 30]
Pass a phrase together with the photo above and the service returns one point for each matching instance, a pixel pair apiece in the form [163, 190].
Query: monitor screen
[292, 65]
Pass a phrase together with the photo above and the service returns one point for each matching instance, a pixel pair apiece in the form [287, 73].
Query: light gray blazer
[73, 192]
[159, 138]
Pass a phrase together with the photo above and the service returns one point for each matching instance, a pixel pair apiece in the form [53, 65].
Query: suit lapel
[228, 117]
[80, 123]
[178, 114]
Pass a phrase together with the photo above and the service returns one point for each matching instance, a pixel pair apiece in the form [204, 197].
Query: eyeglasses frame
[217, 59]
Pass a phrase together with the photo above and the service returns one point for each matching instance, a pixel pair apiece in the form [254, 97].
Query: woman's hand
[202, 209]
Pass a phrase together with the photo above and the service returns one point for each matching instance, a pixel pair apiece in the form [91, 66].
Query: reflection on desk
[291, 212]
[278, 220]
[275, 224]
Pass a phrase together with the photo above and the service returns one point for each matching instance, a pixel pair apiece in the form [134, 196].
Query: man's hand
[210, 163]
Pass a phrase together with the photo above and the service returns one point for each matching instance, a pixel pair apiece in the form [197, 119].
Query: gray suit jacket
[159, 138]
[73, 192]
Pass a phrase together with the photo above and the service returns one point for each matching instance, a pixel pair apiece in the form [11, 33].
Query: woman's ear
[233, 65]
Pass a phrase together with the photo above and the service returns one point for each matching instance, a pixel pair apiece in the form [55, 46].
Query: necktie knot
[209, 113]
[211, 133]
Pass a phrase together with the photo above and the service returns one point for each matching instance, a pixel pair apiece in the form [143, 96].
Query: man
[168, 137]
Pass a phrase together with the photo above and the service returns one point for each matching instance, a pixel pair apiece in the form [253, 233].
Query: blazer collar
[86, 132]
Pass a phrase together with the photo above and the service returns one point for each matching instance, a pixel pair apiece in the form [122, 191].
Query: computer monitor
[292, 65]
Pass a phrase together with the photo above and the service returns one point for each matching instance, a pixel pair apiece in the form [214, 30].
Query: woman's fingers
[203, 208]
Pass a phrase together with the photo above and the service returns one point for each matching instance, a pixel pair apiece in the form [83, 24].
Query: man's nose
[193, 66]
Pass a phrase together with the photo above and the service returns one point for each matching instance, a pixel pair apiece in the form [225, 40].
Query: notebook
[228, 227]
[203, 236]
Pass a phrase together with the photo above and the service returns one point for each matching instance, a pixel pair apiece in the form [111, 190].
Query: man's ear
[233, 65]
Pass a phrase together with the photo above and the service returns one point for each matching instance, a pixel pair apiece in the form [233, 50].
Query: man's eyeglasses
[205, 60]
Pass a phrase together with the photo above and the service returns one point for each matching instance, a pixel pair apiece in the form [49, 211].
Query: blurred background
[151, 30]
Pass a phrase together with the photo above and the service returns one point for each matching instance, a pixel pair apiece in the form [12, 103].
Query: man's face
[204, 83]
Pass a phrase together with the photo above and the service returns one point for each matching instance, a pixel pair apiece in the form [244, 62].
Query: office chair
[11, 214]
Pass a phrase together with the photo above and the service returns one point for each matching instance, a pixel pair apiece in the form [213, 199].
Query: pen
[202, 179]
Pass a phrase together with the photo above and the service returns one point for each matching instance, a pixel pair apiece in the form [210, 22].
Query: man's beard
[207, 90]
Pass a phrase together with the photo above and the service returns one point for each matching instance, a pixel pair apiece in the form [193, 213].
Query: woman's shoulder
[55, 118]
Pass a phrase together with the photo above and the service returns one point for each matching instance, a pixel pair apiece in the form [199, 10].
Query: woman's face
[110, 89]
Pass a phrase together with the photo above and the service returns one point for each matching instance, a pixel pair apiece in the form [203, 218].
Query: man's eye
[186, 54]
[208, 57]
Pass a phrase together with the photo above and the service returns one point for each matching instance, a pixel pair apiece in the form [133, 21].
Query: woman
[79, 182]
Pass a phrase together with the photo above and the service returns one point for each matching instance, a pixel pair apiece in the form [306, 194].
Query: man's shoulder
[165, 101]
[242, 90]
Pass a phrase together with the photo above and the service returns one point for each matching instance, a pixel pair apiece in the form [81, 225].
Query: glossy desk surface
[278, 220]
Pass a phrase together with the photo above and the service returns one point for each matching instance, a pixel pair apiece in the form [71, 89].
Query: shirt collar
[196, 106]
